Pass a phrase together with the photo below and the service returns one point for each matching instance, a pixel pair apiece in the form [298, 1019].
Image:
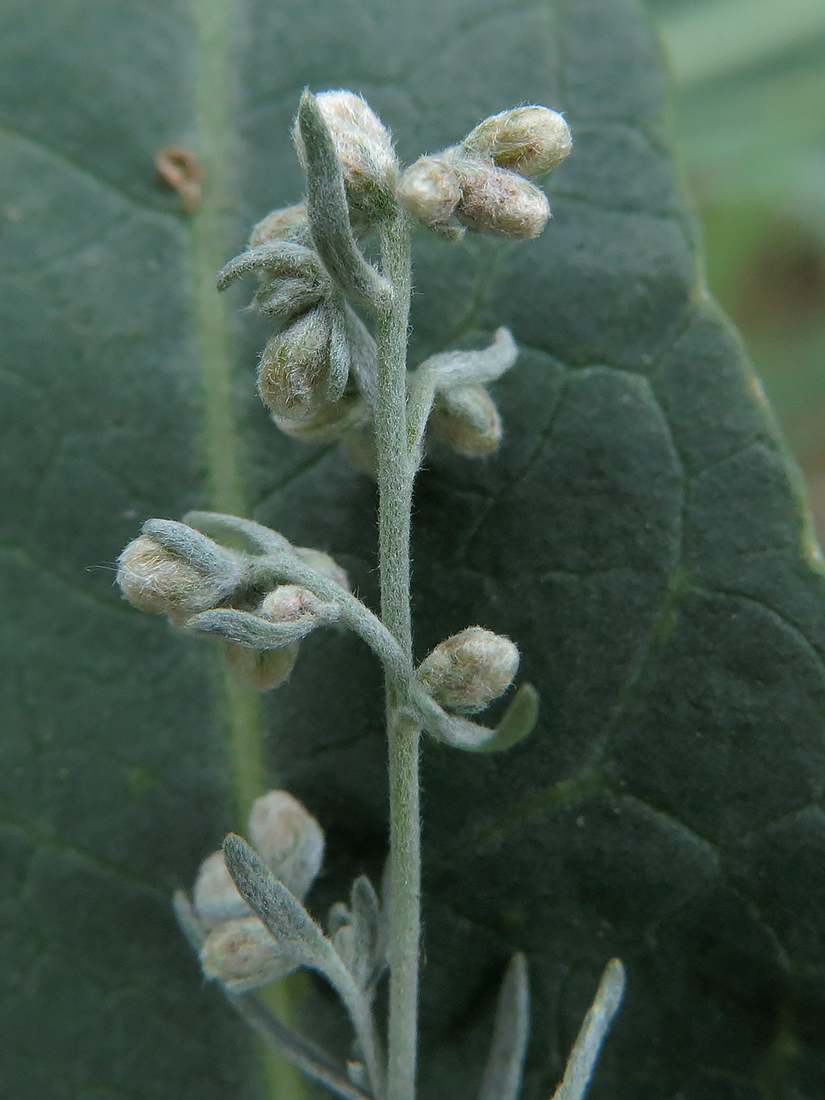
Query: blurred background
[748, 123]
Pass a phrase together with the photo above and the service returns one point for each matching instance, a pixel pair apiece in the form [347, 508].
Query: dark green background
[639, 534]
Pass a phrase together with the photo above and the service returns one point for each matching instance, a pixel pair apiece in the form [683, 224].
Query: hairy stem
[403, 731]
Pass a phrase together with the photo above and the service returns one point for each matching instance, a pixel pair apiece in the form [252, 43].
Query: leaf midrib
[209, 242]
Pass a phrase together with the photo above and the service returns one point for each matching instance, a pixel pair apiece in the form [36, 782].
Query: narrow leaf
[582, 1060]
[339, 353]
[284, 299]
[250, 630]
[502, 1075]
[640, 533]
[366, 914]
[238, 533]
[193, 546]
[456, 368]
[285, 258]
[282, 913]
[517, 722]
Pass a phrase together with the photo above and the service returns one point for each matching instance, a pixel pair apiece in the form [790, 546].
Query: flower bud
[289, 602]
[287, 224]
[361, 451]
[430, 190]
[216, 898]
[243, 955]
[294, 367]
[288, 839]
[526, 140]
[153, 578]
[466, 672]
[500, 202]
[323, 563]
[331, 422]
[261, 669]
[467, 419]
[364, 147]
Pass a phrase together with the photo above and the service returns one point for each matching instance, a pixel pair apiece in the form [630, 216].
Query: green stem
[403, 731]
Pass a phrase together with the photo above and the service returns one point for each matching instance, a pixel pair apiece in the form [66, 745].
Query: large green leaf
[640, 534]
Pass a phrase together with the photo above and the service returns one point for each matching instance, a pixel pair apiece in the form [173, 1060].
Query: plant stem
[395, 502]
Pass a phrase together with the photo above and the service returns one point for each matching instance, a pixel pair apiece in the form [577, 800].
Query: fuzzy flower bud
[294, 367]
[468, 671]
[288, 839]
[499, 202]
[364, 148]
[153, 578]
[526, 140]
[261, 669]
[289, 602]
[323, 563]
[467, 419]
[430, 190]
[331, 422]
[244, 956]
[269, 668]
[215, 896]
[287, 224]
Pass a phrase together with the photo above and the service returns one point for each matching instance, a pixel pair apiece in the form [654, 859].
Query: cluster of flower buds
[483, 183]
[468, 671]
[238, 949]
[317, 372]
[315, 369]
[210, 589]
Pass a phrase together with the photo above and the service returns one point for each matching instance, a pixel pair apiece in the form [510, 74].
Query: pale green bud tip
[364, 147]
[261, 669]
[528, 140]
[287, 224]
[152, 578]
[331, 422]
[323, 563]
[288, 839]
[467, 419]
[289, 602]
[468, 671]
[500, 202]
[215, 896]
[243, 955]
[430, 191]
